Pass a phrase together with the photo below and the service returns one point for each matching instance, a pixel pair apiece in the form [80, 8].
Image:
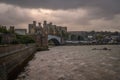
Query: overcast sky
[77, 15]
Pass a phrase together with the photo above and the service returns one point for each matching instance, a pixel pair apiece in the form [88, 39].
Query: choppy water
[74, 63]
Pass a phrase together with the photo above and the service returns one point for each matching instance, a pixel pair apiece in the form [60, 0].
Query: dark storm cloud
[76, 14]
[107, 8]
[11, 15]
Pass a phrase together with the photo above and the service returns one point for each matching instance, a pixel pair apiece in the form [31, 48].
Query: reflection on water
[74, 63]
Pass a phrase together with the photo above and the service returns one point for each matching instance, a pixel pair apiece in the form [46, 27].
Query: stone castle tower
[38, 33]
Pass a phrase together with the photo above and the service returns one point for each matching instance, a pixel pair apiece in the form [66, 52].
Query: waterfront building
[21, 31]
[7, 36]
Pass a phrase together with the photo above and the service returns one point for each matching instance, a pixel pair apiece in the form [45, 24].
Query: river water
[74, 63]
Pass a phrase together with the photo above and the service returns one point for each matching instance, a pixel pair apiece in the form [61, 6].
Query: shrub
[24, 39]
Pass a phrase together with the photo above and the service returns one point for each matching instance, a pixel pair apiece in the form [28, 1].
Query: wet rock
[61, 78]
[42, 59]
[106, 48]
[94, 49]
[101, 49]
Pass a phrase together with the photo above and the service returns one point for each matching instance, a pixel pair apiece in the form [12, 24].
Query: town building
[7, 37]
[21, 31]
[102, 37]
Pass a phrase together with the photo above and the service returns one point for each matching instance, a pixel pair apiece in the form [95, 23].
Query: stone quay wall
[11, 60]
[8, 48]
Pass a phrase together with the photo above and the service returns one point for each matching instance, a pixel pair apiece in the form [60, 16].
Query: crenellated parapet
[47, 28]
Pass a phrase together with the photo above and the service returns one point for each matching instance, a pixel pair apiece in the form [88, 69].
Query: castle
[40, 32]
[46, 28]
